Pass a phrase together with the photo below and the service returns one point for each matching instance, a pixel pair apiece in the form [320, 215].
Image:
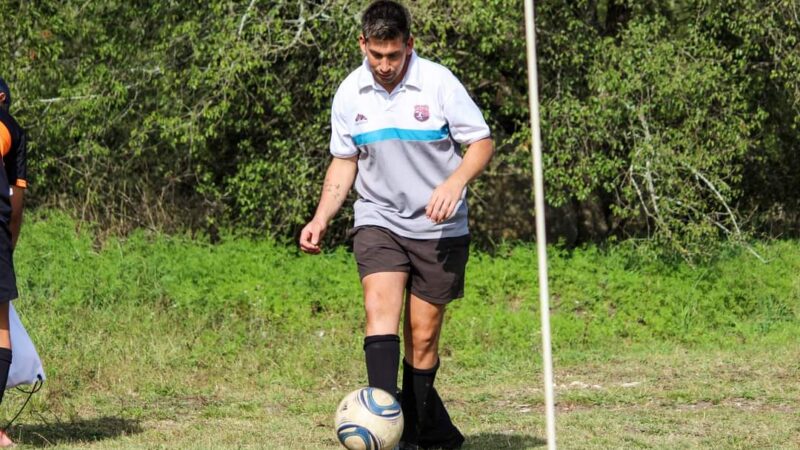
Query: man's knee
[381, 305]
[423, 340]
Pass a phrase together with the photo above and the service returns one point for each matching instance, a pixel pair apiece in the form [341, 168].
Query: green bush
[673, 121]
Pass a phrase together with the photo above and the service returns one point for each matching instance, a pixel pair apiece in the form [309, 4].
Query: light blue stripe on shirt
[388, 134]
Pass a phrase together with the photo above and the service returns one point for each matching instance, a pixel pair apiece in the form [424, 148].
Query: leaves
[675, 121]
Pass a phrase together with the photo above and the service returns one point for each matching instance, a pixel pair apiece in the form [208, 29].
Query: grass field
[165, 342]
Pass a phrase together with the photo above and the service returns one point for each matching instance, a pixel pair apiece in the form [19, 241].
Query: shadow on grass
[90, 430]
[483, 441]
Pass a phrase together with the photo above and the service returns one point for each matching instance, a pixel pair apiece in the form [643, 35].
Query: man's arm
[15, 164]
[338, 181]
[445, 197]
[17, 204]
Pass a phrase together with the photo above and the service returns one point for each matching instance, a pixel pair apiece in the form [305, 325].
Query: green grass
[165, 342]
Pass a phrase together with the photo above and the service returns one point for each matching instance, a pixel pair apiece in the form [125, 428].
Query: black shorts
[435, 267]
[8, 282]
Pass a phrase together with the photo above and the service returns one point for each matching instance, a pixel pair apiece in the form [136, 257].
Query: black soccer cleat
[452, 442]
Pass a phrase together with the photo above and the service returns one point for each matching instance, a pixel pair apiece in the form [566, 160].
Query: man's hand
[311, 236]
[338, 180]
[444, 200]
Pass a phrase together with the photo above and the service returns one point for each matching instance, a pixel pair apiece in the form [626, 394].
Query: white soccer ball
[369, 419]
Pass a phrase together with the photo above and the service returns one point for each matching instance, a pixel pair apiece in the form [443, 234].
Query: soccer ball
[369, 419]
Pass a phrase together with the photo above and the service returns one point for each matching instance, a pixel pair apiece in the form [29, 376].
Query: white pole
[541, 241]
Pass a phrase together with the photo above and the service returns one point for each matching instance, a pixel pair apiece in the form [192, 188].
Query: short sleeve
[17, 163]
[464, 118]
[13, 146]
[342, 145]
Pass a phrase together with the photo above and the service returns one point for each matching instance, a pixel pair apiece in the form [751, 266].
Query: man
[397, 125]
[12, 185]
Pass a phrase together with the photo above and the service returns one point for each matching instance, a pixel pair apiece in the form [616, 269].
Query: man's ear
[410, 44]
[2, 97]
[362, 42]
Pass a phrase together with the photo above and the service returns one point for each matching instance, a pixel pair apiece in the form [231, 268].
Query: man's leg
[5, 362]
[422, 325]
[383, 302]
[427, 422]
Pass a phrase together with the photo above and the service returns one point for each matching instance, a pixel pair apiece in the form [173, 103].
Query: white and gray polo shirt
[407, 144]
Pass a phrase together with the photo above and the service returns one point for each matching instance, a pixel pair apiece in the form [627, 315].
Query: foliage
[682, 138]
[599, 296]
[676, 121]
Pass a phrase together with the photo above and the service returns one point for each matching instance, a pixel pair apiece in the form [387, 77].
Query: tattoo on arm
[334, 189]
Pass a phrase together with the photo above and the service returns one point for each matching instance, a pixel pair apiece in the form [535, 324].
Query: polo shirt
[408, 143]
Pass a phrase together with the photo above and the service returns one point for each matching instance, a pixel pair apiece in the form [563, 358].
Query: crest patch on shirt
[361, 118]
[421, 113]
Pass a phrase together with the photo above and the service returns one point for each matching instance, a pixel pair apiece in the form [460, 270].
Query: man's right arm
[338, 181]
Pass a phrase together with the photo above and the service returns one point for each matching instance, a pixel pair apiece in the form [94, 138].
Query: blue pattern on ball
[365, 397]
[348, 430]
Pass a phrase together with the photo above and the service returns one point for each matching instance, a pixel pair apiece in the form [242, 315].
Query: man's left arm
[445, 197]
[16, 165]
[17, 205]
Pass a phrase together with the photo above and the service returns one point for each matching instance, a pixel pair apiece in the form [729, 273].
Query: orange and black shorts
[435, 267]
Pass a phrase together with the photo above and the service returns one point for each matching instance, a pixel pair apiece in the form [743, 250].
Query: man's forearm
[17, 204]
[475, 161]
[338, 181]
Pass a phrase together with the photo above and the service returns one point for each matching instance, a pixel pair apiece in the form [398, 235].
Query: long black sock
[382, 353]
[409, 403]
[433, 422]
[5, 364]
[423, 394]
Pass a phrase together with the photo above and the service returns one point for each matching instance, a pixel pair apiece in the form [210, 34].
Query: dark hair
[4, 89]
[386, 19]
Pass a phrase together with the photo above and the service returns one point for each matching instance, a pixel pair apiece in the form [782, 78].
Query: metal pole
[541, 240]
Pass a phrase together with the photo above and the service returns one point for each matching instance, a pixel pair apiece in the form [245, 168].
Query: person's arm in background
[16, 166]
[17, 205]
[338, 181]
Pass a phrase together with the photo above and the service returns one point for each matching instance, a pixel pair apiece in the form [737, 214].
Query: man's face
[387, 59]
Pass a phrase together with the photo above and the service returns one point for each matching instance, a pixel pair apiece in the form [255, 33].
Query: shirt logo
[361, 118]
[421, 113]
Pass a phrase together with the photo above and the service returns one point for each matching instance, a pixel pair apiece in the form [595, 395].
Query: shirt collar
[412, 77]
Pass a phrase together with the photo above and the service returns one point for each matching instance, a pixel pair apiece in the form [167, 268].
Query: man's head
[386, 41]
[386, 20]
[5, 95]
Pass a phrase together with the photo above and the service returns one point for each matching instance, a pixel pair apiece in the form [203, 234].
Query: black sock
[382, 353]
[5, 364]
[435, 429]
[423, 391]
[409, 403]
